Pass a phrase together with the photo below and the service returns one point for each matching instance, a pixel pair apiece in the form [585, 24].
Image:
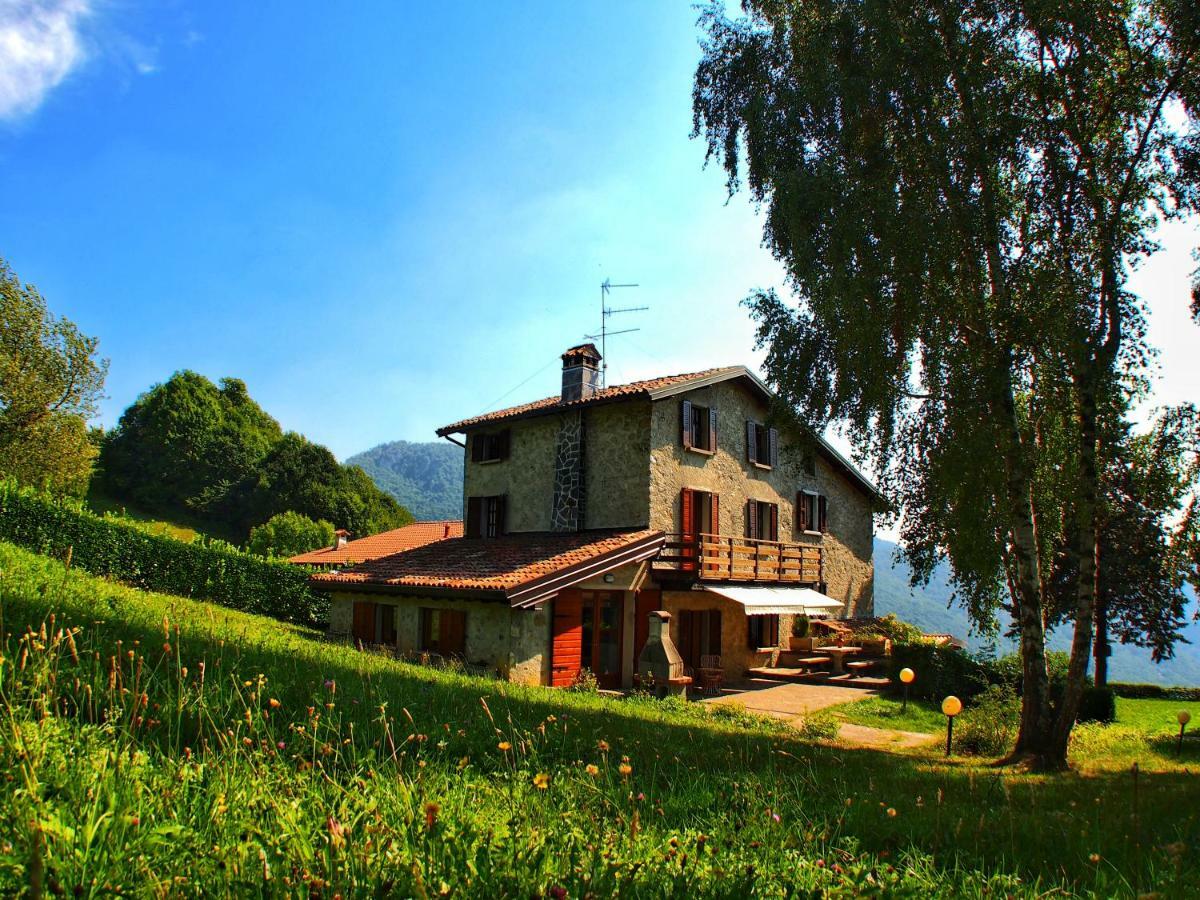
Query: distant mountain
[929, 607]
[426, 478]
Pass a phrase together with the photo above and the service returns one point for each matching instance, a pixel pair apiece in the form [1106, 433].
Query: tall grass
[155, 745]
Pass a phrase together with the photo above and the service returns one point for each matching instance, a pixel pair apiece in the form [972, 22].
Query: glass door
[602, 635]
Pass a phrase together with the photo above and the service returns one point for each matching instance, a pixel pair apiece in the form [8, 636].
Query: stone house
[585, 511]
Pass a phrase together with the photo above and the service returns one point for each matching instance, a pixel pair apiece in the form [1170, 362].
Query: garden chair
[712, 675]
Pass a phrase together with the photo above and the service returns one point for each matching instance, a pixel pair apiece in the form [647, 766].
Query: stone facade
[566, 512]
[847, 544]
[515, 644]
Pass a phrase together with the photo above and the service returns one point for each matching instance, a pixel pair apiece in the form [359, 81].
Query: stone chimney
[581, 373]
[341, 538]
[660, 659]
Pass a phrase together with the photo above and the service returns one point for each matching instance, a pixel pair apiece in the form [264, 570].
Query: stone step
[807, 676]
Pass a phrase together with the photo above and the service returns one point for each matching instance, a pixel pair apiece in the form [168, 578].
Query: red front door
[587, 633]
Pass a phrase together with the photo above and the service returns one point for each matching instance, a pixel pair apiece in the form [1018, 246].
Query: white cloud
[39, 46]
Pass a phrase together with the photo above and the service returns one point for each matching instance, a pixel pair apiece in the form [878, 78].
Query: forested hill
[927, 607]
[426, 478]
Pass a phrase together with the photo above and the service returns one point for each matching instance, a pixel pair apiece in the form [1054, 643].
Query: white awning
[761, 600]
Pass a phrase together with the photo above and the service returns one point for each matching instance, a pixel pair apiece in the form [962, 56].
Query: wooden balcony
[715, 557]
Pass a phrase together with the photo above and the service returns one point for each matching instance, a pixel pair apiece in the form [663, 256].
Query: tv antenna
[606, 287]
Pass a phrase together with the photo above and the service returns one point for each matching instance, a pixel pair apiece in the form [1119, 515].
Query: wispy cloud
[39, 46]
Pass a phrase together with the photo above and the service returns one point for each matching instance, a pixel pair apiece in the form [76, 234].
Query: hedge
[1154, 692]
[120, 549]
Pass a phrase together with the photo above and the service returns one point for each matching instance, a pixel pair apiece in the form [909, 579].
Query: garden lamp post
[906, 678]
[1183, 718]
[951, 706]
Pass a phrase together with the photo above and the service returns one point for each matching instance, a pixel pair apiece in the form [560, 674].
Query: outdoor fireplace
[660, 663]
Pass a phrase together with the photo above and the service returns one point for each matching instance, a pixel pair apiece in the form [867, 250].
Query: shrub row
[1154, 692]
[117, 548]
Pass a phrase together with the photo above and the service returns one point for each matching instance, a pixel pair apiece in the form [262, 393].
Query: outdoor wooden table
[838, 655]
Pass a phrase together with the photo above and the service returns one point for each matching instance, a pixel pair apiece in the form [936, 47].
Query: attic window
[489, 447]
[762, 445]
[699, 427]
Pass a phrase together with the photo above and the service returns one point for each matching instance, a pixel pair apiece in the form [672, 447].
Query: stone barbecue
[660, 660]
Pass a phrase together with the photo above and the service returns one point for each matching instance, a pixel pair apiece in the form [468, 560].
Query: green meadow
[155, 746]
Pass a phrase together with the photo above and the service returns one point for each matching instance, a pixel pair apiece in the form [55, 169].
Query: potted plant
[801, 639]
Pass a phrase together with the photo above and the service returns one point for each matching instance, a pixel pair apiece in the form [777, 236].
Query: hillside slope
[426, 478]
[930, 608]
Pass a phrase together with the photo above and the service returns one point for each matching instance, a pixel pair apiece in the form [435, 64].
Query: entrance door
[587, 633]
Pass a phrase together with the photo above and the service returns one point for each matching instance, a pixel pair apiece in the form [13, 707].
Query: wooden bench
[807, 661]
[855, 666]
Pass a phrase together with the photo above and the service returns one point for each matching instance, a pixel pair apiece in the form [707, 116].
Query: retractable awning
[773, 601]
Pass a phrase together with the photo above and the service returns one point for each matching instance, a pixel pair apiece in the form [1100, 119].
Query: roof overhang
[763, 600]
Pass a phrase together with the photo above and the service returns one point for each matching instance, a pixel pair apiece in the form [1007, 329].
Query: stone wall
[736, 655]
[526, 477]
[512, 643]
[847, 546]
[617, 465]
[566, 513]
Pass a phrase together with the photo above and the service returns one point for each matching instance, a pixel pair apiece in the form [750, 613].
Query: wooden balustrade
[725, 558]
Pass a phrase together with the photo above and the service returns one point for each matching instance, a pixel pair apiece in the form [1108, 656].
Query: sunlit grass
[153, 745]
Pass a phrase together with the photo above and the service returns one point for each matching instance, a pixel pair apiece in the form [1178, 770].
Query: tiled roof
[418, 534]
[512, 566]
[616, 392]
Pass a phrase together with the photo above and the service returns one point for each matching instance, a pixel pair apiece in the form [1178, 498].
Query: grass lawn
[152, 745]
[182, 528]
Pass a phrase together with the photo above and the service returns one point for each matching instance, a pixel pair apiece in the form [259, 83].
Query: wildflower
[463, 763]
[273, 703]
[504, 746]
[592, 770]
[641, 797]
[281, 745]
[166, 648]
[442, 745]
[541, 781]
[1094, 858]
[337, 832]
[891, 811]
[558, 892]
[431, 815]
[602, 746]
[625, 769]
[331, 685]
[820, 863]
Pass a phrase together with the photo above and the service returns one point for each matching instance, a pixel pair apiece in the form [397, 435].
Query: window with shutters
[443, 631]
[489, 448]
[762, 520]
[762, 445]
[812, 512]
[762, 632]
[485, 517]
[698, 512]
[699, 427]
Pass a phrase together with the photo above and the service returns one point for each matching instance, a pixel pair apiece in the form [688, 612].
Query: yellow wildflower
[505, 746]
[593, 770]
[541, 781]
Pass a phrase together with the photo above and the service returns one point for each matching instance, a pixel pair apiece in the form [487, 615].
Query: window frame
[762, 445]
[812, 513]
[698, 428]
[488, 447]
[759, 631]
[486, 517]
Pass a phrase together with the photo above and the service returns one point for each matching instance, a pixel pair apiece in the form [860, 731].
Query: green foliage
[819, 726]
[425, 478]
[188, 447]
[377, 775]
[1155, 691]
[988, 724]
[800, 626]
[132, 553]
[892, 627]
[50, 382]
[941, 671]
[1098, 704]
[288, 534]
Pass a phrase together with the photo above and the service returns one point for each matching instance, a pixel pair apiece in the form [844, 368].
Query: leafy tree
[299, 475]
[50, 383]
[957, 189]
[288, 534]
[185, 444]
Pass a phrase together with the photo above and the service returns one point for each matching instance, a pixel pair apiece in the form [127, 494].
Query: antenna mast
[605, 311]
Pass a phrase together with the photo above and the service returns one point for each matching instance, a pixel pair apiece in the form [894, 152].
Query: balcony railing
[717, 557]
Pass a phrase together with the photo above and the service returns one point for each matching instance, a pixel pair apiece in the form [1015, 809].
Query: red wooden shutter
[774, 522]
[685, 436]
[773, 443]
[364, 621]
[712, 429]
[474, 525]
[822, 513]
[566, 647]
[644, 603]
[751, 519]
[801, 511]
[715, 524]
[687, 527]
[751, 442]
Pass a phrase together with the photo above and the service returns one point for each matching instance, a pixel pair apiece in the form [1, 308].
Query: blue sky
[385, 217]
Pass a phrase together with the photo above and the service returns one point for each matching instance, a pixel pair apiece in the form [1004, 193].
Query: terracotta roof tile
[616, 392]
[502, 565]
[418, 534]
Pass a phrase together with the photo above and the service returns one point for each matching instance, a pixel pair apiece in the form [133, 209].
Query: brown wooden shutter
[751, 519]
[715, 524]
[501, 511]
[474, 523]
[687, 513]
[364, 621]
[504, 440]
[773, 443]
[801, 511]
[774, 534]
[712, 429]
[685, 436]
[751, 442]
[822, 513]
[452, 632]
[478, 443]
[566, 639]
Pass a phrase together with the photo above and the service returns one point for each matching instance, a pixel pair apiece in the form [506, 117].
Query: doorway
[588, 634]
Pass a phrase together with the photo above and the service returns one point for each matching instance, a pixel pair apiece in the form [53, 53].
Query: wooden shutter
[751, 519]
[687, 513]
[685, 436]
[452, 632]
[504, 438]
[714, 632]
[566, 640]
[475, 510]
[478, 443]
[364, 621]
[715, 524]
[712, 429]
[751, 442]
[802, 511]
[773, 442]
[500, 507]
[822, 513]
[773, 534]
